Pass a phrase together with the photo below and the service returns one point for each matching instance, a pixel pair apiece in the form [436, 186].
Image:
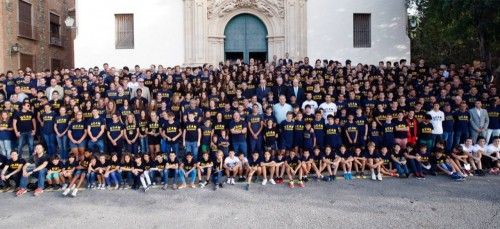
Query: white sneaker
[374, 177]
[66, 191]
[379, 176]
[229, 180]
[232, 181]
[64, 186]
[264, 182]
[74, 192]
[272, 181]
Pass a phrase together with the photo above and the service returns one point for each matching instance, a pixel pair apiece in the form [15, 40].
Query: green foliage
[457, 31]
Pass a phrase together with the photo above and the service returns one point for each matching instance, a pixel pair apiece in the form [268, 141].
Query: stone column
[296, 28]
[195, 32]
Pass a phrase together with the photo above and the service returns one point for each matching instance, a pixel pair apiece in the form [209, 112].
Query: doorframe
[246, 51]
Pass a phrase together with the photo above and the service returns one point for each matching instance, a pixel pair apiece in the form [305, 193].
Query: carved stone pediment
[270, 8]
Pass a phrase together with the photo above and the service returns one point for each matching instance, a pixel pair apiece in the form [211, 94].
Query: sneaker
[38, 192]
[374, 177]
[228, 180]
[290, 184]
[264, 182]
[305, 179]
[125, 186]
[21, 192]
[146, 188]
[221, 185]
[333, 177]
[346, 176]
[182, 186]
[174, 187]
[73, 194]
[247, 187]
[301, 184]
[192, 186]
[66, 192]
[117, 187]
[350, 175]
[216, 187]
[240, 179]
[358, 175]
[232, 181]
[272, 181]
[202, 184]
[379, 176]
[64, 186]
[164, 187]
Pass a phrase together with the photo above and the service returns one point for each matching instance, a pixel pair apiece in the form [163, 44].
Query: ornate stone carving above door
[205, 21]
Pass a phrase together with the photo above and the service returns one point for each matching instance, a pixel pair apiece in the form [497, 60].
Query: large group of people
[275, 120]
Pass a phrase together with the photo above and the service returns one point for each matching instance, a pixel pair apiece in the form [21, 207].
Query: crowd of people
[277, 120]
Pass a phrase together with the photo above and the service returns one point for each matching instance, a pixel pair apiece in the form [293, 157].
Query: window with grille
[25, 23]
[56, 64]
[55, 26]
[124, 31]
[26, 60]
[362, 31]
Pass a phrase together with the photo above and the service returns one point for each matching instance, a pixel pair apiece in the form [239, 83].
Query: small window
[362, 31]
[27, 60]
[56, 64]
[25, 23]
[55, 26]
[124, 31]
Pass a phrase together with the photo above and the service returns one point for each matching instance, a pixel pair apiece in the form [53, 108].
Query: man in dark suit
[297, 91]
[262, 90]
[279, 88]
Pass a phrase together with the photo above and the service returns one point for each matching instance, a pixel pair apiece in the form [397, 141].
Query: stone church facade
[194, 32]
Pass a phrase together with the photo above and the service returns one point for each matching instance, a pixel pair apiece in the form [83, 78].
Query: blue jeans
[448, 138]
[415, 166]
[217, 177]
[144, 145]
[25, 138]
[99, 144]
[91, 178]
[114, 178]
[5, 147]
[191, 176]
[460, 136]
[171, 147]
[62, 145]
[192, 147]
[40, 175]
[256, 144]
[240, 147]
[127, 177]
[50, 141]
[133, 148]
[171, 173]
[401, 169]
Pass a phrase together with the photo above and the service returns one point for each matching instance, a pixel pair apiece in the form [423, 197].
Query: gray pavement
[436, 202]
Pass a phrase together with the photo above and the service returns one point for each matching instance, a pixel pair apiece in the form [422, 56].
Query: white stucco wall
[158, 33]
[330, 30]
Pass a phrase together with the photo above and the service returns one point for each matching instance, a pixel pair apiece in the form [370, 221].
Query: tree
[457, 31]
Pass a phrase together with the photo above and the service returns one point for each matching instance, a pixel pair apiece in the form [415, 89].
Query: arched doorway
[245, 38]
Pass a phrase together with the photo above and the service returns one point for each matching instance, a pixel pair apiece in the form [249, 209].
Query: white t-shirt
[312, 103]
[437, 121]
[491, 149]
[329, 109]
[478, 148]
[231, 162]
[467, 149]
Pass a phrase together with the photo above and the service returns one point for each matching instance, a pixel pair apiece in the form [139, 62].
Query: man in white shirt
[491, 157]
[309, 101]
[329, 108]
[232, 166]
[437, 122]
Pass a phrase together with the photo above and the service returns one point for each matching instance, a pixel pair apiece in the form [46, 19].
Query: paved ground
[393, 203]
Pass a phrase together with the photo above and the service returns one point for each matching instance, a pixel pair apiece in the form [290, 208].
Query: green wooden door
[246, 35]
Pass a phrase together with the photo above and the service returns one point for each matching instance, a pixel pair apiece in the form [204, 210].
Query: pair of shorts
[74, 145]
[204, 171]
[79, 172]
[52, 176]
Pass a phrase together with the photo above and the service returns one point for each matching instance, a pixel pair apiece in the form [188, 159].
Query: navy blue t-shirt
[48, 120]
[77, 129]
[238, 126]
[95, 125]
[115, 129]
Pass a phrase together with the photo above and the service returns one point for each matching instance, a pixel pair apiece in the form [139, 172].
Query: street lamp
[70, 22]
[15, 49]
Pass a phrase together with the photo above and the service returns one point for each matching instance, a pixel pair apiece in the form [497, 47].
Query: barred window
[25, 23]
[362, 31]
[124, 31]
[55, 26]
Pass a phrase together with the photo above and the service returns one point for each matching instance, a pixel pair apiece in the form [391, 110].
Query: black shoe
[333, 177]
[221, 185]
[247, 187]
[305, 179]
[407, 175]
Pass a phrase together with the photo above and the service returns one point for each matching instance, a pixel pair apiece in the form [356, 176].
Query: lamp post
[15, 49]
[69, 22]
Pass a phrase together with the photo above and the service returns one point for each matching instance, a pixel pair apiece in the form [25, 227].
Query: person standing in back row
[479, 121]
